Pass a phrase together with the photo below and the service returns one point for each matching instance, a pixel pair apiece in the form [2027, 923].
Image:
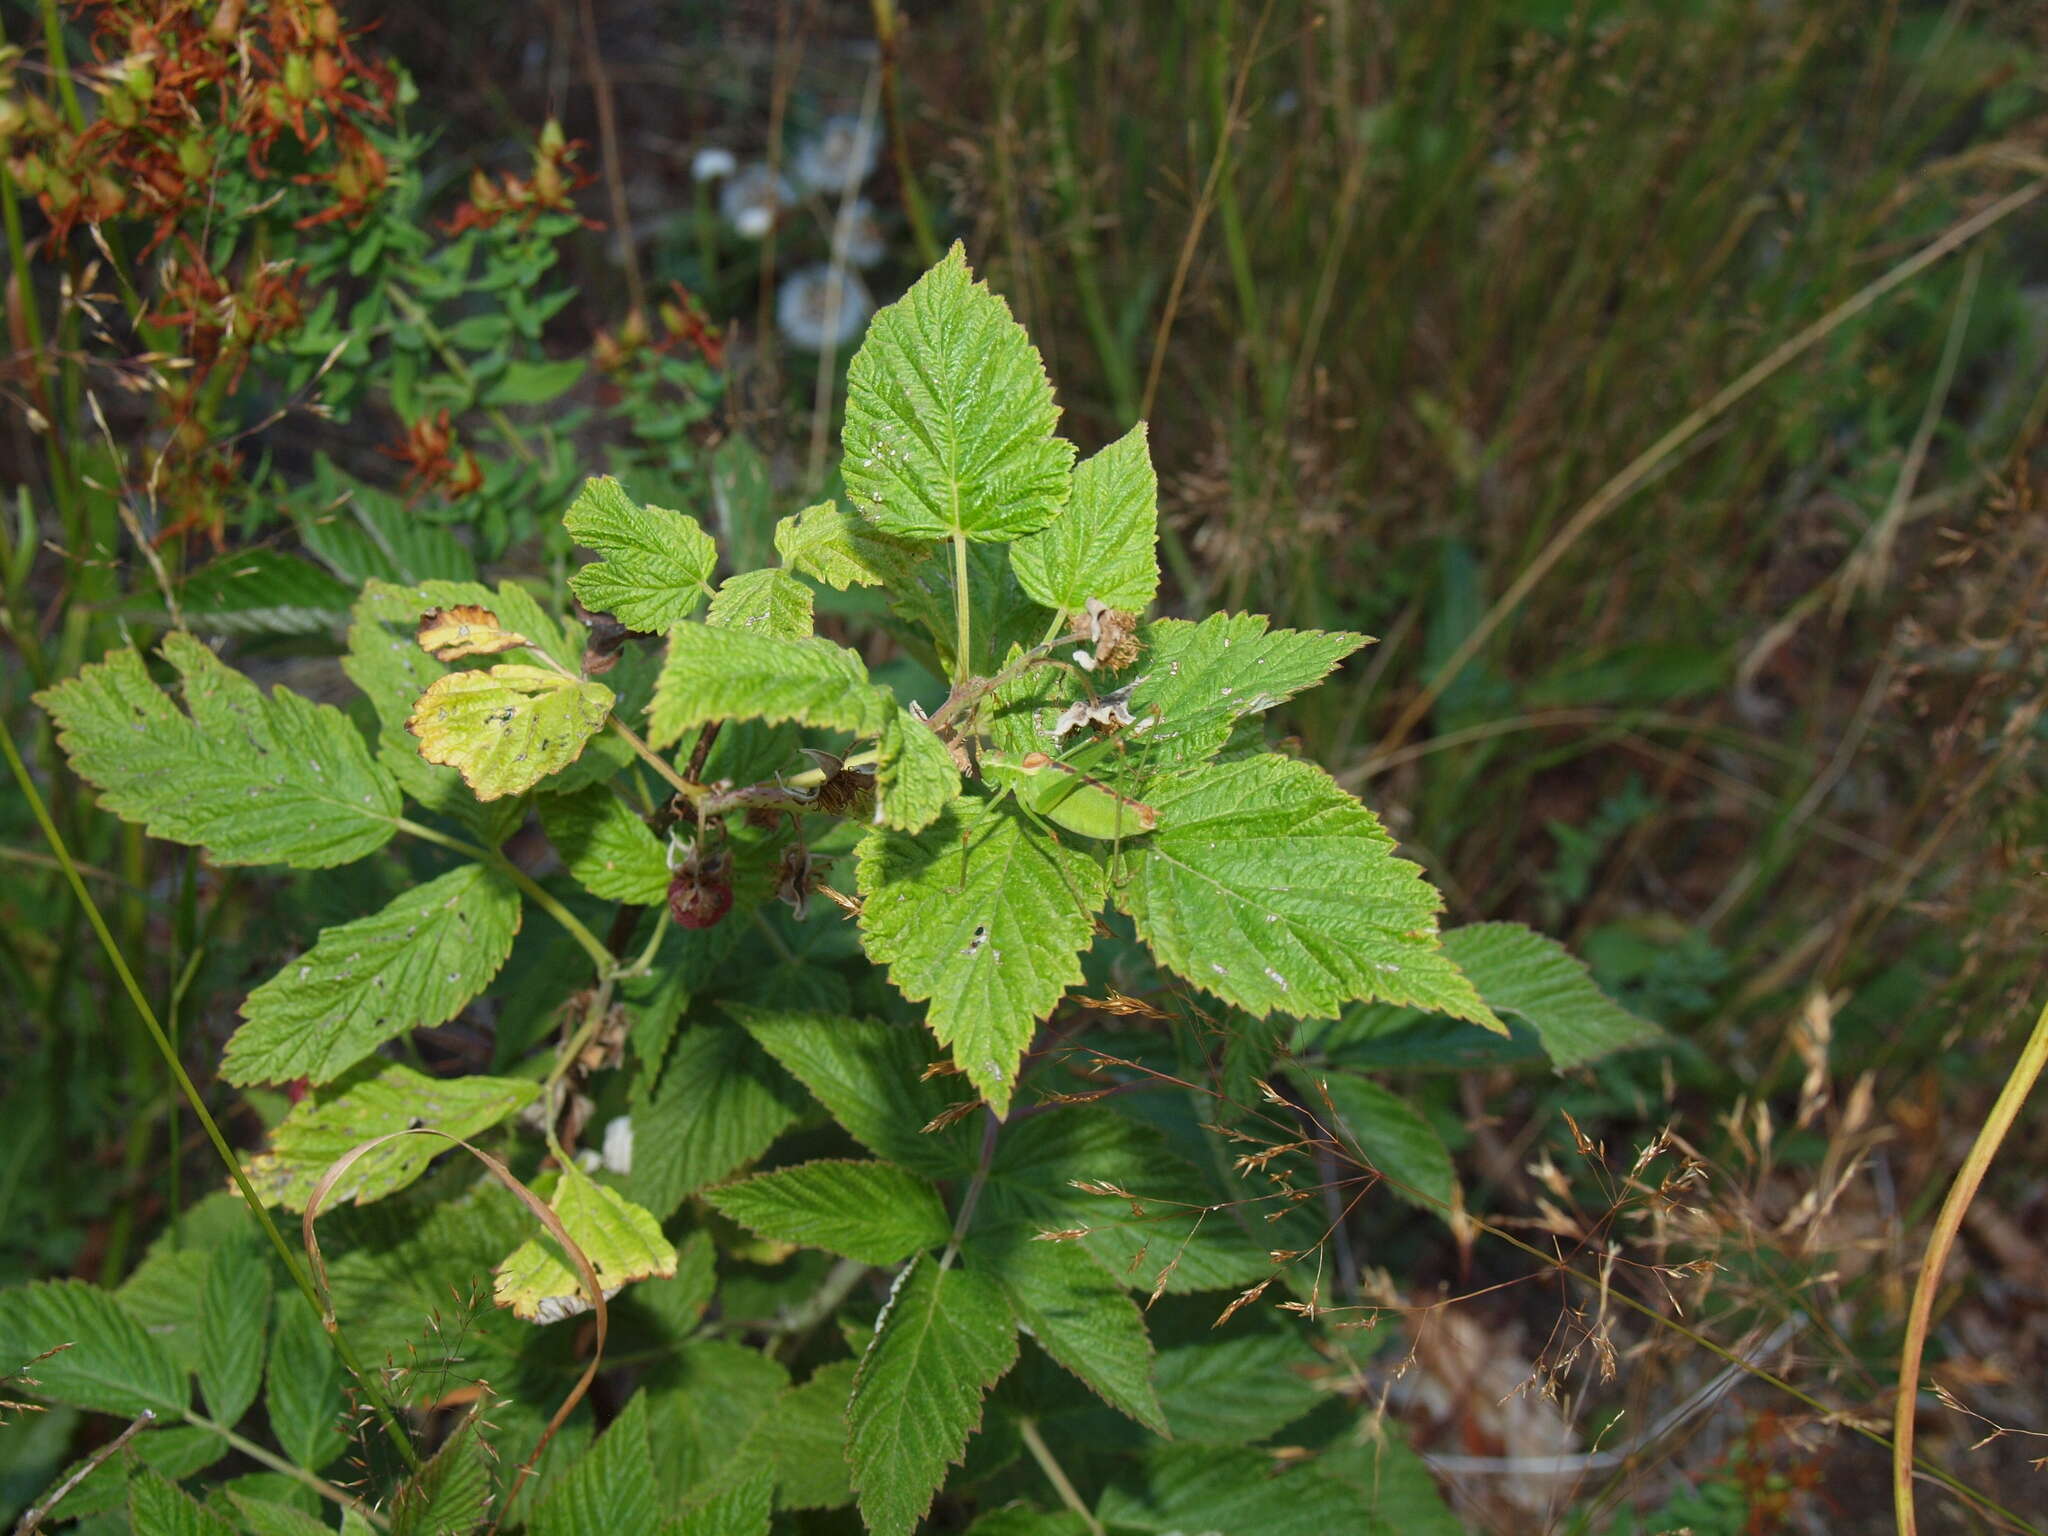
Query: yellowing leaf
[449, 634]
[623, 1242]
[507, 729]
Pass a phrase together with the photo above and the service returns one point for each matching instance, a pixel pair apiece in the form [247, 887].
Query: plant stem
[961, 668]
[530, 887]
[32, 1518]
[290, 1469]
[183, 1079]
[899, 143]
[975, 1186]
[2018, 1083]
[653, 759]
[1056, 1474]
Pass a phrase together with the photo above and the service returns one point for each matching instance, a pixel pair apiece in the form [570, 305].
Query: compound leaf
[622, 1241]
[410, 966]
[719, 1103]
[103, 1359]
[871, 1078]
[986, 917]
[715, 673]
[323, 1126]
[253, 780]
[945, 1338]
[949, 417]
[657, 564]
[611, 1491]
[767, 602]
[1201, 679]
[843, 549]
[810, 1440]
[159, 1507]
[449, 1494]
[234, 1319]
[303, 1398]
[874, 1212]
[1524, 973]
[506, 729]
[1102, 545]
[605, 847]
[1272, 888]
[1080, 1314]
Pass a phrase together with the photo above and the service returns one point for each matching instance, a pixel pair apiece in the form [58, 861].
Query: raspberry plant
[932, 993]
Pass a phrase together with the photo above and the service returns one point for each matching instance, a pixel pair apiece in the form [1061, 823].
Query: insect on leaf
[507, 729]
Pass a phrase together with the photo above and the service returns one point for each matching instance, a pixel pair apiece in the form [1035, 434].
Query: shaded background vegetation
[1401, 290]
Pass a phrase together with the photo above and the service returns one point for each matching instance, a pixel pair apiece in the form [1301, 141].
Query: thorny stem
[342, 1348]
[1056, 1474]
[975, 1186]
[961, 661]
[2018, 1083]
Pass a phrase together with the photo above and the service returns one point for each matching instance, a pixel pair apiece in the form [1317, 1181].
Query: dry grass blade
[1646, 464]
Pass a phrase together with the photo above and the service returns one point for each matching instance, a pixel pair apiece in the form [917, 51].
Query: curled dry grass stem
[542, 1212]
[2018, 1084]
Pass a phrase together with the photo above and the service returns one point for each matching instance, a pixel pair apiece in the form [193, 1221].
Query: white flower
[618, 1145]
[822, 306]
[857, 234]
[712, 163]
[751, 200]
[841, 157]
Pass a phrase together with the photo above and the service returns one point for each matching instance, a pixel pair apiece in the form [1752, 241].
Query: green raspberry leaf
[234, 1318]
[766, 602]
[1273, 889]
[1536, 979]
[657, 564]
[945, 1338]
[605, 846]
[870, 1076]
[874, 1212]
[1201, 679]
[622, 1241]
[949, 417]
[1080, 1314]
[992, 938]
[715, 673]
[1393, 1136]
[719, 673]
[610, 1492]
[324, 1125]
[841, 549]
[111, 1366]
[1102, 546]
[253, 780]
[410, 966]
[508, 728]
